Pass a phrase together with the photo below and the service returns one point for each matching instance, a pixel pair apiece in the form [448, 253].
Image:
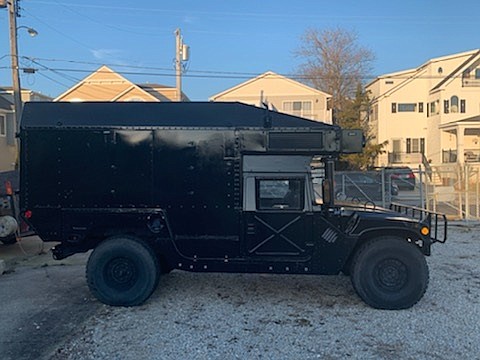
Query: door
[278, 225]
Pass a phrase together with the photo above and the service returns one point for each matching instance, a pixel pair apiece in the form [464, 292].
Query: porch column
[460, 144]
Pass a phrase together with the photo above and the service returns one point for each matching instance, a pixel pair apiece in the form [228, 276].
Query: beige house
[7, 138]
[8, 143]
[281, 94]
[429, 114]
[106, 85]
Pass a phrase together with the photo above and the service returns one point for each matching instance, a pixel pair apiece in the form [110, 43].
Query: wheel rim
[121, 273]
[391, 274]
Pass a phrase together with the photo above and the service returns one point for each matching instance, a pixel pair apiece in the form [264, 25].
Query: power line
[58, 31]
[146, 67]
[78, 13]
[270, 14]
[208, 74]
[233, 75]
[215, 73]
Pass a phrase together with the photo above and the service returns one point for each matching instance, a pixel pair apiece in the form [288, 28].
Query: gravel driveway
[229, 316]
[248, 316]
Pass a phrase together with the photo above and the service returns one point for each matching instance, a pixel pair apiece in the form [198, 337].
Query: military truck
[209, 187]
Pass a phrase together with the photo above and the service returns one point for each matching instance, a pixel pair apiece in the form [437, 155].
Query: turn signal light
[425, 230]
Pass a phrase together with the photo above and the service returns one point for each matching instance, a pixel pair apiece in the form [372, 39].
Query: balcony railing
[470, 82]
[470, 156]
[404, 158]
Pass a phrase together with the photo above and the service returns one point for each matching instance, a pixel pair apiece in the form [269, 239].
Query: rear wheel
[122, 271]
[8, 229]
[9, 240]
[389, 273]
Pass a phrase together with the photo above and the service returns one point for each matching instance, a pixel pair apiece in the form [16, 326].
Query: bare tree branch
[334, 62]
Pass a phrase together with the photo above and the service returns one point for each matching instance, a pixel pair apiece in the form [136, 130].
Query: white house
[431, 113]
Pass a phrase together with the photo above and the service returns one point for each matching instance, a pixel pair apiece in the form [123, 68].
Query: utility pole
[17, 90]
[181, 55]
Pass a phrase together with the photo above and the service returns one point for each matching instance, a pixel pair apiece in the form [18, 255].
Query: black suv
[363, 186]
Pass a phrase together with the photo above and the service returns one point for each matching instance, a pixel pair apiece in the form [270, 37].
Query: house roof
[265, 75]
[5, 104]
[9, 89]
[412, 74]
[114, 77]
[156, 114]
[153, 85]
[457, 70]
[161, 92]
[473, 119]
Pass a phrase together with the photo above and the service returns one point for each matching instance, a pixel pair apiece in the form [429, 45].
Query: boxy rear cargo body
[201, 187]
[84, 159]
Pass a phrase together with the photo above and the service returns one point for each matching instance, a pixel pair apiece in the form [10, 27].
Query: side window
[3, 126]
[280, 194]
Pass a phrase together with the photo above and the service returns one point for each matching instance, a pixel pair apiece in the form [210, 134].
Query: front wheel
[122, 271]
[389, 273]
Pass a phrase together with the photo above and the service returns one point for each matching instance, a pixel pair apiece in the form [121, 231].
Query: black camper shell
[203, 186]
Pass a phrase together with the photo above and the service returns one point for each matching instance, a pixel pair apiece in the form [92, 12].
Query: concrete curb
[3, 267]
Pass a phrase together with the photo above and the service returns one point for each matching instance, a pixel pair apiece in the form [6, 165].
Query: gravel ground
[238, 316]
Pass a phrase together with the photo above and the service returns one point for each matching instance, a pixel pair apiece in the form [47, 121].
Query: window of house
[463, 106]
[454, 104]
[477, 73]
[434, 108]
[415, 145]
[446, 106]
[394, 107]
[374, 112]
[407, 107]
[298, 108]
[3, 125]
[420, 107]
[278, 194]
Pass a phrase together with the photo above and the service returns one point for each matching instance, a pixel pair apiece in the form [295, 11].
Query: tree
[334, 63]
[355, 115]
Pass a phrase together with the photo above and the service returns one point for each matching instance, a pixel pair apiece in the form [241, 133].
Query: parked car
[403, 176]
[362, 186]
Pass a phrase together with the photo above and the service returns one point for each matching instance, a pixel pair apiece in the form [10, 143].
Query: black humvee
[209, 187]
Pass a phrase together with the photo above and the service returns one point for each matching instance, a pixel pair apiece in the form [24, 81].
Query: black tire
[122, 271]
[389, 273]
[9, 240]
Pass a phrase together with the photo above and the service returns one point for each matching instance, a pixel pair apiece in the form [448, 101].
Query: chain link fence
[454, 190]
[450, 189]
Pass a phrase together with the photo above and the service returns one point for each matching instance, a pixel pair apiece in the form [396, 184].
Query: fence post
[459, 191]
[477, 194]
[467, 200]
[383, 188]
[422, 198]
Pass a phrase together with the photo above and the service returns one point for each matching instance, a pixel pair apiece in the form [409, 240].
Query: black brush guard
[436, 222]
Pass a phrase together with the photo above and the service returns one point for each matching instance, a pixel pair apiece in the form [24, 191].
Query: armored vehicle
[209, 187]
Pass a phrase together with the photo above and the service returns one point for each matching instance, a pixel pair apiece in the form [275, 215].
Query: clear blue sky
[225, 37]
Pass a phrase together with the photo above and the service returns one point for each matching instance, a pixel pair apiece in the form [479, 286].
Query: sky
[230, 41]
